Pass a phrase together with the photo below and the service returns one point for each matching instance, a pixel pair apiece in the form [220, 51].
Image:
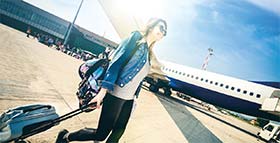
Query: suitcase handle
[74, 113]
[36, 108]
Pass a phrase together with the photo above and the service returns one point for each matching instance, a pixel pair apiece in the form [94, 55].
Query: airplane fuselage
[227, 92]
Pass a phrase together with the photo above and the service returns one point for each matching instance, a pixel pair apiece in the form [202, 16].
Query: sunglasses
[162, 30]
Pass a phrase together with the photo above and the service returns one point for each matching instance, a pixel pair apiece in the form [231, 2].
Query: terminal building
[22, 15]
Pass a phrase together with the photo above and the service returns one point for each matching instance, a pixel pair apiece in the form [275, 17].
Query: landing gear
[167, 91]
[153, 88]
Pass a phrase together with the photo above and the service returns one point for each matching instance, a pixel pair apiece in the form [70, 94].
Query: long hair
[151, 24]
[148, 28]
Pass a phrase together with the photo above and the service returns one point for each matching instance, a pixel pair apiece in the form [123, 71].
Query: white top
[127, 92]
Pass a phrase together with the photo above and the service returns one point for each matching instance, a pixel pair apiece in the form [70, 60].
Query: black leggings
[114, 117]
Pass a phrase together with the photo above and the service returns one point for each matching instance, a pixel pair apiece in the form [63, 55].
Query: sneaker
[61, 136]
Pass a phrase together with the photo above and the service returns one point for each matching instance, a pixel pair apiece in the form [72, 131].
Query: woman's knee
[101, 135]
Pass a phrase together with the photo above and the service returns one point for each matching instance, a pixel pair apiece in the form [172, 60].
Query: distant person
[120, 85]
[50, 41]
[35, 33]
[38, 36]
[28, 32]
[105, 54]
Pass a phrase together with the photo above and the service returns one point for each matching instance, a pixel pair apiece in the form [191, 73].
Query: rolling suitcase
[24, 121]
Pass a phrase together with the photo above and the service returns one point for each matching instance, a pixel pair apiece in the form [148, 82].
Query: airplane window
[188, 75]
[180, 73]
[221, 85]
[206, 80]
[251, 93]
[184, 74]
[201, 79]
[232, 88]
[211, 82]
[216, 83]
[245, 91]
[196, 77]
[227, 86]
[173, 70]
[238, 90]
[258, 95]
[176, 71]
[192, 76]
[170, 70]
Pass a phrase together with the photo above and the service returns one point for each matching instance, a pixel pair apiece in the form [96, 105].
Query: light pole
[72, 24]
[205, 63]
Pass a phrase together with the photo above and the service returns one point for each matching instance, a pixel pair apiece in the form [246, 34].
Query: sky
[244, 34]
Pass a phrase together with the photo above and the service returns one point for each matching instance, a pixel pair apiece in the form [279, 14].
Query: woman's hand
[99, 97]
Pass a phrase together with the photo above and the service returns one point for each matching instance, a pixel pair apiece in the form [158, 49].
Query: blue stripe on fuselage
[221, 100]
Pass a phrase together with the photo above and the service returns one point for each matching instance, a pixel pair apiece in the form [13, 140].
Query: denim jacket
[120, 72]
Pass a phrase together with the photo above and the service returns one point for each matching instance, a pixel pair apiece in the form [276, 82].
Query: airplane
[257, 99]
[227, 92]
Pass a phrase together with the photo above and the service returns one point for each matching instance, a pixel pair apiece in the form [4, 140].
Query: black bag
[91, 73]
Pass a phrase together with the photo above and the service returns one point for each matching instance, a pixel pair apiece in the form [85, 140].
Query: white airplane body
[230, 93]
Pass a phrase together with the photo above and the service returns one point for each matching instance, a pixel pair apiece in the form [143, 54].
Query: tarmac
[31, 72]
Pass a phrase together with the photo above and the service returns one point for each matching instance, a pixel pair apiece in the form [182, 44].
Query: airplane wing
[121, 20]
